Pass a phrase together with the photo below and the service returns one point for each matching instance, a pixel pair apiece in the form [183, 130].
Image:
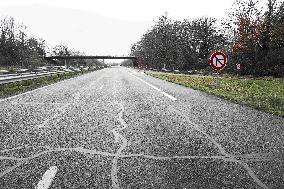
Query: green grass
[262, 94]
[10, 89]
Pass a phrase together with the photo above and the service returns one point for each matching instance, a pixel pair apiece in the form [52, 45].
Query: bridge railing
[90, 57]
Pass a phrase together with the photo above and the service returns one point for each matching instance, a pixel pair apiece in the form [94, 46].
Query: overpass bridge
[65, 58]
[89, 57]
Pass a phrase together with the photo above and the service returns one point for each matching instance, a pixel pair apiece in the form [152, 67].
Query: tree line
[251, 35]
[18, 49]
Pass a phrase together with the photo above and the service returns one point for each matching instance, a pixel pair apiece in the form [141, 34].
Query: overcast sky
[106, 27]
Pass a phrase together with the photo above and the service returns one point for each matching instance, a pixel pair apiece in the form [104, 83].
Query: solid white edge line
[40, 88]
[154, 87]
[34, 90]
[24, 93]
[47, 178]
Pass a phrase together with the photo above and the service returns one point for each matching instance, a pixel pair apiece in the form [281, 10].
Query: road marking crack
[21, 161]
[222, 150]
[116, 156]
[118, 137]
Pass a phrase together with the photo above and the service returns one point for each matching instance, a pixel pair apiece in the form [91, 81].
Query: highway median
[14, 88]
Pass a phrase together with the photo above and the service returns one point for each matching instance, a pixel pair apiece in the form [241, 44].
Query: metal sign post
[218, 62]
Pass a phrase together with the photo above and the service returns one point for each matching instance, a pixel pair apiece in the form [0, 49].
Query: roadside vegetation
[19, 50]
[14, 88]
[23, 53]
[263, 94]
[251, 34]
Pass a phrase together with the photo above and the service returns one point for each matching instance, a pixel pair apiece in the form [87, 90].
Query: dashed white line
[47, 178]
[154, 87]
[101, 87]
[169, 96]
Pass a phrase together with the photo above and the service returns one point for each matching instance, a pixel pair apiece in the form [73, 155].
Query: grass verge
[262, 94]
[10, 89]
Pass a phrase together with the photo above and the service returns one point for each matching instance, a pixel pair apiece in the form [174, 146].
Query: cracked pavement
[109, 129]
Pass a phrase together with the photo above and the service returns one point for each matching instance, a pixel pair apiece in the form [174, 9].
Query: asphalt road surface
[119, 128]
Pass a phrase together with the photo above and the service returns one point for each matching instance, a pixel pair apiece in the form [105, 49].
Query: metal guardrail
[24, 77]
[14, 74]
[90, 57]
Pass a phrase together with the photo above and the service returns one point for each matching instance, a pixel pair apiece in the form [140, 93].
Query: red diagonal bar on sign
[219, 61]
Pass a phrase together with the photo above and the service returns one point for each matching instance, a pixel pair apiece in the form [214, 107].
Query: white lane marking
[169, 96]
[42, 88]
[47, 178]
[101, 87]
[25, 93]
[154, 87]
